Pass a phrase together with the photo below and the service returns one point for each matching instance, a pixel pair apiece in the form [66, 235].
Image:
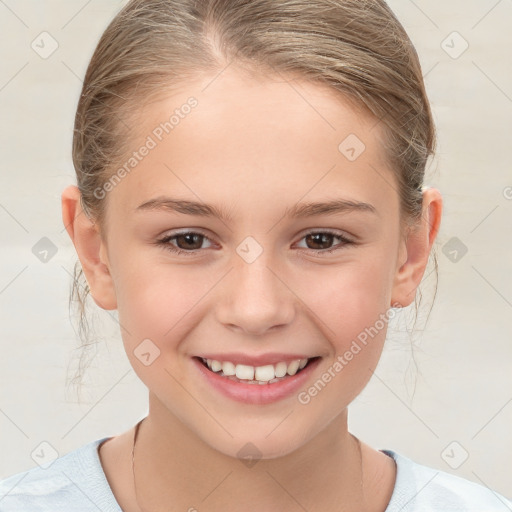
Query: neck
[173, 465]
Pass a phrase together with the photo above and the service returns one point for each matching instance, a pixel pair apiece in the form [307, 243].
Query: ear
[91, 249]
[415, 249]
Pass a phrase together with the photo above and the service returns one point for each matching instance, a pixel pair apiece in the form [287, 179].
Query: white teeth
[244, 372]
[264, 373]
[293, 367]
[228, 368]
[216, 366]
[281, 369]
[256, 375]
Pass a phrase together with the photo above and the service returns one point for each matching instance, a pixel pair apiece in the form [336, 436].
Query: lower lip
[257, 393]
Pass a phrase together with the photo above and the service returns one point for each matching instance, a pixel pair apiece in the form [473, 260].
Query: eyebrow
[300, 210]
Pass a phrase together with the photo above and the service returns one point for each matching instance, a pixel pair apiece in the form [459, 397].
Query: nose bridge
[255, 299]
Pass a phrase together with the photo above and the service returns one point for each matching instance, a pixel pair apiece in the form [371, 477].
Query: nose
[255, 298]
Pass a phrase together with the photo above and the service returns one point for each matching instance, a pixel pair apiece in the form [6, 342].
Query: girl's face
[240, 167]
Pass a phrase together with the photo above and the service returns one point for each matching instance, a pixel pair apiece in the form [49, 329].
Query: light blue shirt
[76, 482]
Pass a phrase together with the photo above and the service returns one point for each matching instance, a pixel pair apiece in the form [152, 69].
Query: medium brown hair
[358, 48]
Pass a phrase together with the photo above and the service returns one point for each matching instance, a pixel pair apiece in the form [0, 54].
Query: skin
[253, 146]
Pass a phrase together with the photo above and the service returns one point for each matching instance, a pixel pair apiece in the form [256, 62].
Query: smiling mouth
[267, 374]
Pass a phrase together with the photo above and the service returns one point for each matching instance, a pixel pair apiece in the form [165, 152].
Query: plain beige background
[449, 407]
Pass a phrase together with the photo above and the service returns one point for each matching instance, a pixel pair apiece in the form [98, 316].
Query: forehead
[256, 139]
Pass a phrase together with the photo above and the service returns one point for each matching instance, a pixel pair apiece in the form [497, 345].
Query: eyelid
[330, 231]
[184, 231]
[345, 241]
[305, 233]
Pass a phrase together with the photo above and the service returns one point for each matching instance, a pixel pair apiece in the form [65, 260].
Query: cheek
[160, 302]
[350, 304]
[347, 298]
[158, 308]
[352, 310]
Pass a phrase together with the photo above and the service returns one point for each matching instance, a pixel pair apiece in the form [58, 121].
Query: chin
[260, 446]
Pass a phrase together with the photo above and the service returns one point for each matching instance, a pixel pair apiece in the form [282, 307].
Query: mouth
[267, 374]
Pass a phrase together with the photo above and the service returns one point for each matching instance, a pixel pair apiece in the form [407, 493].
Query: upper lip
[255, 360]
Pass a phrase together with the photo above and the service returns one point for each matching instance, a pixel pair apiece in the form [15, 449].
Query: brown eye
[187, 243]
[322, 241]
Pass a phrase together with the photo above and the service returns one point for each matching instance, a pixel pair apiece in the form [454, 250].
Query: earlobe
[416, 248]
[90, 249]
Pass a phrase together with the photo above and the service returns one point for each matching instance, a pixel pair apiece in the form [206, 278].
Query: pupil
[321, 236]
[190, 238]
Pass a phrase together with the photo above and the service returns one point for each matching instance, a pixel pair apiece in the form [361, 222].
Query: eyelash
[164, 242]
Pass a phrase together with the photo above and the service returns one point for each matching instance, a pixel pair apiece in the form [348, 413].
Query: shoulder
[73, 482]
[424, 489]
